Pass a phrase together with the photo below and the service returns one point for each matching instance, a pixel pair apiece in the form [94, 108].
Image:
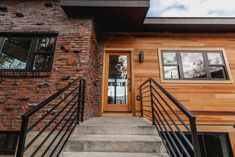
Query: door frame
[120, 50]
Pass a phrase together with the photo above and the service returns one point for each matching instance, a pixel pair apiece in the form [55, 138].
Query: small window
[214, 144]
[8, 142]
[27, 53]
[193, 65]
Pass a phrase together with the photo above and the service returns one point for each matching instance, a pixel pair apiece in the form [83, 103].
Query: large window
[194, 65]
[27, 52]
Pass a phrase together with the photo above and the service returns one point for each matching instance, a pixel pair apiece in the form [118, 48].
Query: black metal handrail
[172, 120]
[45, 128]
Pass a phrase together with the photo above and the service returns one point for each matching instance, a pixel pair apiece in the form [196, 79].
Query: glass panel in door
[118, 79]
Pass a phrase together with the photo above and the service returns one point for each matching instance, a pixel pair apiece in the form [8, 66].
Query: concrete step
[115, 130]
[116, 126]
[115, 143]
[111, 154]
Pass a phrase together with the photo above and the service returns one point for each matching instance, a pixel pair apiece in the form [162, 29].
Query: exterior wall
[211, 103]
[21, 91]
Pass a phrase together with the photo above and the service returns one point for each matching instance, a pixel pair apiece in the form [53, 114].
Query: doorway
[117, 82]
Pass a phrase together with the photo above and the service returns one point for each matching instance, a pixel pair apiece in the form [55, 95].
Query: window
[8, 142]
[27, 52]
[214, 144]
[193, 65]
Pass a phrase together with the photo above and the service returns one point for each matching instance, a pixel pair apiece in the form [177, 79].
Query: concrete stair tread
[116, 137]
[113, 154]
[116, 121]
[148, 138]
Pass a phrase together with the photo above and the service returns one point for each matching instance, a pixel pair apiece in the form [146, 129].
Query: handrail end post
[195, 139]
[22, 136]
[151, 97]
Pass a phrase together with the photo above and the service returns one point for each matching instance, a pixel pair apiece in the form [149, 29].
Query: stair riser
[111, 154]
[114, 146]
[115, 130]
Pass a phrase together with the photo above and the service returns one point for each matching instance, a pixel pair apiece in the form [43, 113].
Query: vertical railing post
[141, 102]
[83, 98]
[22, 137]
[79, 101]
[195, 139]
[151, 100]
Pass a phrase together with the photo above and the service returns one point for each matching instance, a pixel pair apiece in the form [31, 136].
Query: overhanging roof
[130, 15]
[106, 3]
[111, 15]
[195, 24]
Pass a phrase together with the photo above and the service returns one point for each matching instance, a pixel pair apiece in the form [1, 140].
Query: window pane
[42, 62]
[217, 72]
[216, 145]
[169, 58]
[193, 65]
[45, 45]
[171, 72]
[215, 58]
[118, 80]
[15, 53]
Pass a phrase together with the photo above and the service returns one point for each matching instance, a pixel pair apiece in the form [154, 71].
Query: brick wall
[80, 58]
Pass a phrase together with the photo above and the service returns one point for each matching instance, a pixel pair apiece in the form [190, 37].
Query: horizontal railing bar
[47, 108]
[66, 141]
[145, 92]
[163, 136]
[45, 102]
[172, 130]
[145, 101]
[48, 124]
[53, 151]
[179, 130]
[180, 119]
[172, 110]
[168, 134]
[145, 87]
[169, 125]
[57, 135]
[164, 142]
[144, 83]
[188, 113]
[48, 112]
[147, 96]
[42, 143]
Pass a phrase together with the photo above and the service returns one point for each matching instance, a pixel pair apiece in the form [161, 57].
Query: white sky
[192, 8]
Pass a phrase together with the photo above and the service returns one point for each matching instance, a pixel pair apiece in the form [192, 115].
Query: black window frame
[207, 66]
[32, 50]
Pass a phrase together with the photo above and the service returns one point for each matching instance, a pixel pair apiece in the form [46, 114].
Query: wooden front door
[117, 83]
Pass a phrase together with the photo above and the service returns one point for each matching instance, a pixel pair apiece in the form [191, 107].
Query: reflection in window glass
[42, 62]
[217, 72]
[45, 44]
[169, 58]
[117, 82]
[215, 58]
[193, 65]
[171, 72]
[14, 53]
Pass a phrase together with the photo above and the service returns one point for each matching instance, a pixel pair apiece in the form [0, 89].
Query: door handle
[130, 84]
